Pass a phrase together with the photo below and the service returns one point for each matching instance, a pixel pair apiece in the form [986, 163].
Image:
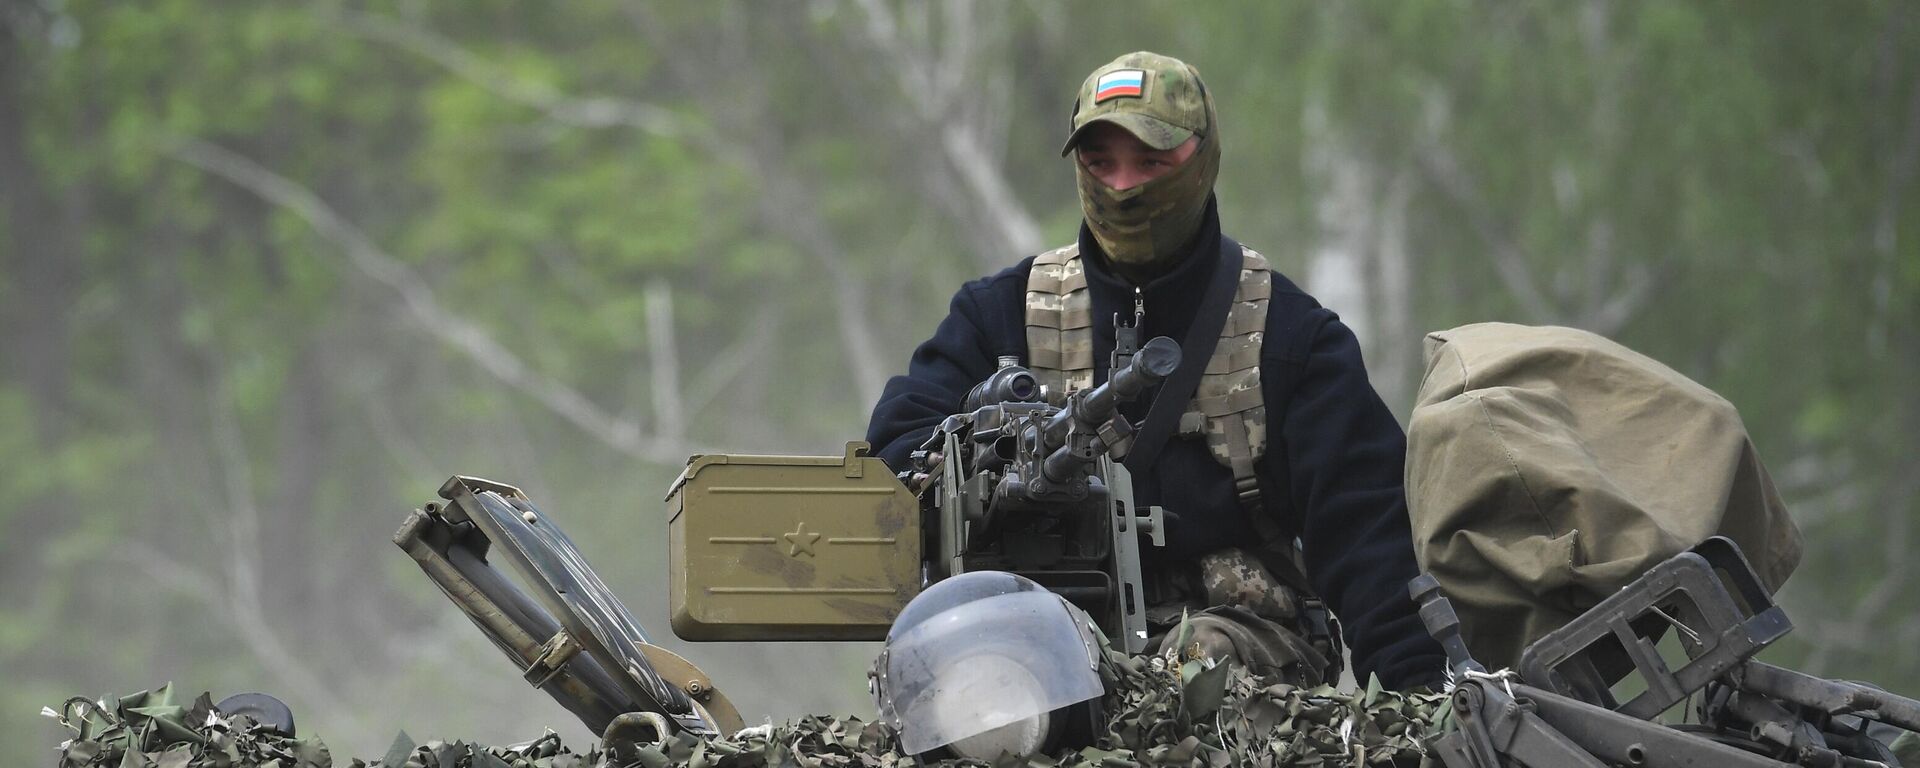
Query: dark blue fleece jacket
[1333, 465]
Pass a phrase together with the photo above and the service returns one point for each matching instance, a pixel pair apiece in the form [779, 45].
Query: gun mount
[1023, 486]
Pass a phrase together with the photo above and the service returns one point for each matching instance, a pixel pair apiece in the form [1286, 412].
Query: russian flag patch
[1120, 82]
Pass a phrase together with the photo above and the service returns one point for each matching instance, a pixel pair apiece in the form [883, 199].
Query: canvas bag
[1548, 467]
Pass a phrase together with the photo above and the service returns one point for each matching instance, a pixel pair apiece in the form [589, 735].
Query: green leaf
[1203, 693]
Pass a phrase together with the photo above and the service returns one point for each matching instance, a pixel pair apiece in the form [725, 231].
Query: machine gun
[1029, 488]
[1560, 707]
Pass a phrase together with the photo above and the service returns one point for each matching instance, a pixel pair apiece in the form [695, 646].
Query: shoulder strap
[1163, 417]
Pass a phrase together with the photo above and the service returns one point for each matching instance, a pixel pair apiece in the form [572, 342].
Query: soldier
[1283, 439]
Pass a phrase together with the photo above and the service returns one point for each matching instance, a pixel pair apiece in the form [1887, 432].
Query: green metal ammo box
[791, 547]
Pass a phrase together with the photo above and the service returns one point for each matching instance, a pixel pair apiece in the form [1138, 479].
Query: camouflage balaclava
[1162, 101]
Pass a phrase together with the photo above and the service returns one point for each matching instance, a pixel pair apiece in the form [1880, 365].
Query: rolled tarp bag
[1549, 467]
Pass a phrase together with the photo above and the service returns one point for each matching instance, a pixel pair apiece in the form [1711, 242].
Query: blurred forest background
[271, 272]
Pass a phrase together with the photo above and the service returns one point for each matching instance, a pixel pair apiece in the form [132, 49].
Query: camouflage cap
[1157, 98]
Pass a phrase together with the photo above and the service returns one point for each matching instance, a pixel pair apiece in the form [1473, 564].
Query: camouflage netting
[1162, 711]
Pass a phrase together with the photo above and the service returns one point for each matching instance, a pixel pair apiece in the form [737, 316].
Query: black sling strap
[1163, 417]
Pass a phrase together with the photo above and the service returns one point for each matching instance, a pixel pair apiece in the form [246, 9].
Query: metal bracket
[1127, 527]
[552, 656]
[1536, 728]
[1152, 521]
[1585, 657]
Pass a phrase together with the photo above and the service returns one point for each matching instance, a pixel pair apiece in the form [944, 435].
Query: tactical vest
[1227, 408]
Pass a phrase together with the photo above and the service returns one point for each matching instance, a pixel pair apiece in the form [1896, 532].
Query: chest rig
[1227, 408]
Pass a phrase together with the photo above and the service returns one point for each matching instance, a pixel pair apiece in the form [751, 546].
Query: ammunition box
[791, 547]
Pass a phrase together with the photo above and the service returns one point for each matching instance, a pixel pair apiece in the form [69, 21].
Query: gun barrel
[1155, 361]
[1832, 696]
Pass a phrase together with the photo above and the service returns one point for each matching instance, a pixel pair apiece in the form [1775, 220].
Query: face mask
[1146, 229]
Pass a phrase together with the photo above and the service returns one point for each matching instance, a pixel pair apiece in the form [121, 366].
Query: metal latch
[552, 656]
[1153, 523]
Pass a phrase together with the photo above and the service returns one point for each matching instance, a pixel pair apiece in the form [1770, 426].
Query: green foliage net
[1161, 711]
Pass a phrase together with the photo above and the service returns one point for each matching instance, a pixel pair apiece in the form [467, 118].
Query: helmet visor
[985, 664]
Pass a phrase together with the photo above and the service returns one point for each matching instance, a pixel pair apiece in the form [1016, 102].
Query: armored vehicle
[1600, 540]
